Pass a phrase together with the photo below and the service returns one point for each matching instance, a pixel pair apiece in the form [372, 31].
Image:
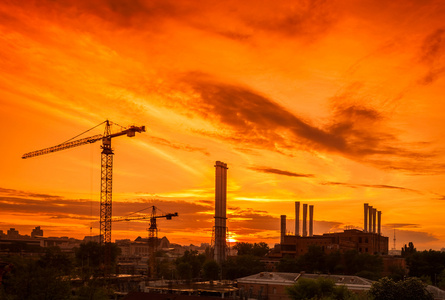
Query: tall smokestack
[297, 218]
[374, 215]
[370, 218]
[283, 228]
[304, 219]
[379, 222]
[311, 220]
[366, 217]
[220, 211]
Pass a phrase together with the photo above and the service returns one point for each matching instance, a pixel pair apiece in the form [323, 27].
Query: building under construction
[369, 240]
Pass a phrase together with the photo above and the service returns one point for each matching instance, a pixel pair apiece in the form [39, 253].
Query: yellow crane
[106, 172]
[152, 231]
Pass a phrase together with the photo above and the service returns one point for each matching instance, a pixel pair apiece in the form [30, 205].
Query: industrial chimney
[297, 218]
[311, 220]
[304, 220]
[370, 218]
[283, 228]
[379, 222]
[366, 218]
[374, 215]
[220, 211]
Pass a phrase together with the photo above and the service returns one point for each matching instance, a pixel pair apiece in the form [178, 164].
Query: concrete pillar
[297, 218]
[370, 218]
[220, 253]
[365, 228]
[374, 215]
[379, 222]
[311, 220]
[304, 219]
[282, 228]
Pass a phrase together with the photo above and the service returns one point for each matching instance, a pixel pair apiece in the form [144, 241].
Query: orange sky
[330, 103]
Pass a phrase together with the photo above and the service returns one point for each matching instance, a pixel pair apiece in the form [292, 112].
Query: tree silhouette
[320, 288]
[409, 289]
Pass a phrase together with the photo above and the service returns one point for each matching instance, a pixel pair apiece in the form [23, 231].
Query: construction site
[139, 264]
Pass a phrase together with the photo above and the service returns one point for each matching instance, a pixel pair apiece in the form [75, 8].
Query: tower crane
[106, 171]
[152, 231]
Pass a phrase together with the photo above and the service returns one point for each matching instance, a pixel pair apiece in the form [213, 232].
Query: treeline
[348, 263]
[50, 275]
[383, 289]
[195, 266]
[427, 265]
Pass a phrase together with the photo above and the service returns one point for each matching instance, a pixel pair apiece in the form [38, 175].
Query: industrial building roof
[271, 277]
[279, 278]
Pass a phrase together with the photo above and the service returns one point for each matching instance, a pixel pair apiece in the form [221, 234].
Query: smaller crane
[152, 231]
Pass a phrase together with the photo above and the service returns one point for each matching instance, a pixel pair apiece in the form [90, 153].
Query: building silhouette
[369, 240]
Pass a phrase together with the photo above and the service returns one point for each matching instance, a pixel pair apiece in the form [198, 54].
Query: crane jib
[130, 132]
[63, 146]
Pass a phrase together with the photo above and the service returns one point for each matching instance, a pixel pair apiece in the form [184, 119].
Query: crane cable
[83, 133]
[91, 190]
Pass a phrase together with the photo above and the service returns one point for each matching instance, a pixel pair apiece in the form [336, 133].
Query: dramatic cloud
[334, 102]
[370, 139]
[433, 56]
[356, 132]
[254, 119]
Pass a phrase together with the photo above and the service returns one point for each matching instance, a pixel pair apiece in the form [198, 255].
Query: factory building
[368, 240]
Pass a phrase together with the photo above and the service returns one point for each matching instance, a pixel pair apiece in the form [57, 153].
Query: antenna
[394, 247]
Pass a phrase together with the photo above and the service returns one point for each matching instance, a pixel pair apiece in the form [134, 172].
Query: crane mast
[106, 174]
[106, 186]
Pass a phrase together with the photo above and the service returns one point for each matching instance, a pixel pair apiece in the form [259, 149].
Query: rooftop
[352, 282]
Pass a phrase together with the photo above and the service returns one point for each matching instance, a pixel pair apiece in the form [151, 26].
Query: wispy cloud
[54, 207]
[375, 186]
[401, 225]
[440, 197]
[22, 201]
[306, 19]
[18, 193]
[178, 146]
[280, 172]
[419, 238]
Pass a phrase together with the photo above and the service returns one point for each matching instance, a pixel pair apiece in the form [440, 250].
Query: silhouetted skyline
[334, 103]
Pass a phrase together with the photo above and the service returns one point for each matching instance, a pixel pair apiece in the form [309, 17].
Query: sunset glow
[331, 103]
